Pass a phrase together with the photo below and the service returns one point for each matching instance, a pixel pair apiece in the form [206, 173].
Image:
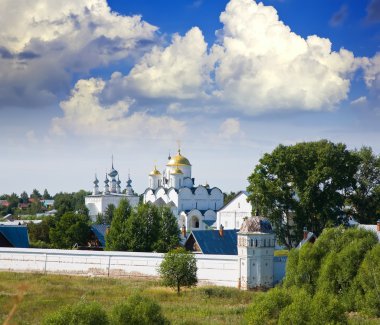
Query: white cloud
[359, 101]
[230, 128]
[371, 68]
[85, 114]
[42, 43]
[180, 70]
[263, 65]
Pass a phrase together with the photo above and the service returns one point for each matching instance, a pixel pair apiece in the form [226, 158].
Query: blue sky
[230, 80]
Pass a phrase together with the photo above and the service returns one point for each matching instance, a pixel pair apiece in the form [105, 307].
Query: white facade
[98, 202]
[232, 215]
[256, 243]
[194, 206]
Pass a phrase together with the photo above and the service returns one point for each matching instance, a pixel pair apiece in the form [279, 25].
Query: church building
[194, 206]
[98, 201]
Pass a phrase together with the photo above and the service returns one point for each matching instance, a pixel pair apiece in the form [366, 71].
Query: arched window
[194, 222]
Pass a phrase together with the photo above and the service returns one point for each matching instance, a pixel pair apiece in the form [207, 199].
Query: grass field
[36, 295]
[30, 297]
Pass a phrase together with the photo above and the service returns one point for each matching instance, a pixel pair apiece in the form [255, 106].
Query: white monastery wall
[213, 269]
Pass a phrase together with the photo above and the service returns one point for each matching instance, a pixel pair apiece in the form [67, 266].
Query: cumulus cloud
[43, 43]
[263, 65]
[371, 68]
[181, 70]
[85, 114]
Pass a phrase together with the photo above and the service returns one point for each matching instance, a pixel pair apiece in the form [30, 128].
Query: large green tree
[117, 237]
[143, 228]
[168, 233]
[364, 202]
[303, 185]
[71, 228]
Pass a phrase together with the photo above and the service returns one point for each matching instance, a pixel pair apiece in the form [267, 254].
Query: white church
[194, 206]
[98, 201]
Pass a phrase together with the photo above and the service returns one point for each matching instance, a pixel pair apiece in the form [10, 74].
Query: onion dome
[113, 173]
[106, 180]
[129, 181]
[178, 160]
[155, 172]
[118, 181]
[256, 224]
[176, 171]
[96, 181]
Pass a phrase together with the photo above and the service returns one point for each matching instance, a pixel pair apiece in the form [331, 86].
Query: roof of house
[372, 228]
[100, 233]
[16, 235]
[211, 242]
[309, 237]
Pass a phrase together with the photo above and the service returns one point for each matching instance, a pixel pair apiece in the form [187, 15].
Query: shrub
[138, 310]
[83, 313]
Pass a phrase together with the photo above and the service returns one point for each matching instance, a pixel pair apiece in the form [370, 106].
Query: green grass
[36, 295]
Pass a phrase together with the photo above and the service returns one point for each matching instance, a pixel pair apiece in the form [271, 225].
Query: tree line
[315, 185]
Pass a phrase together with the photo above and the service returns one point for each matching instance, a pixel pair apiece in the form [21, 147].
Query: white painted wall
[213, 269]
[232, 215]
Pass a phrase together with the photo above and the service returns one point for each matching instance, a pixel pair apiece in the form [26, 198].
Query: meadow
[30, 297]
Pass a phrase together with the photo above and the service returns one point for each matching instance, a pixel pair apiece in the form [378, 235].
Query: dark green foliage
[307, 183]
[298, 311]
[365, 200]
[46, 195]
[83, 313]
[70, 202]
[36, 194]
[117, 238]
[138, 310]
[367, 285]
[24, 197]
[108, 214]
[143, 228]
[168, 232]
[178, 269]
[71, 229]
[40, 232]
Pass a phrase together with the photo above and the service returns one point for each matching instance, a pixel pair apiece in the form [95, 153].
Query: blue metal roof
[100, 233]
[16, 235]
[210, 242]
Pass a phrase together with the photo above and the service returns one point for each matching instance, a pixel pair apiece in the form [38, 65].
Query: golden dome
[178, 160]
[155, 172]
[177, 171]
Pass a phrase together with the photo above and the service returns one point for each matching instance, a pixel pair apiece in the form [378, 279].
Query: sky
[227, 81]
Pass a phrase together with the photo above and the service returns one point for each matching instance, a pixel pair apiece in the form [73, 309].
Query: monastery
[194, 206]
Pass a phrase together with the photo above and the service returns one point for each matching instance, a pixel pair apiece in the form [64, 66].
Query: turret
[128, 189]
[176, 178]
[154, 178]
[96, 186]
[106, 185]
[118, 187]
[178, 162]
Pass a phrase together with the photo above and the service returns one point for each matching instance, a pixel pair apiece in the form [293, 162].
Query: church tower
[256, 242]
[154, 178]
[96, 186]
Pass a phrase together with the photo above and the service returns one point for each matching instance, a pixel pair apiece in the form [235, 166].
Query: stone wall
[213, 269]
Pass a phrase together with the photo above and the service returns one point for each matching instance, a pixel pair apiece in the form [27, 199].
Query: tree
[46, 195]
[227, 197]
[108, 214]
[143, 228]
[365, 200]
[70, 202]
[138, 310]
[24, 197]
[71, 228]
[83, 313]
[36, 195]
[168, 233]
[178, 269]
[40, 232]
[117, 238]
[304, 185]
[367, 285]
